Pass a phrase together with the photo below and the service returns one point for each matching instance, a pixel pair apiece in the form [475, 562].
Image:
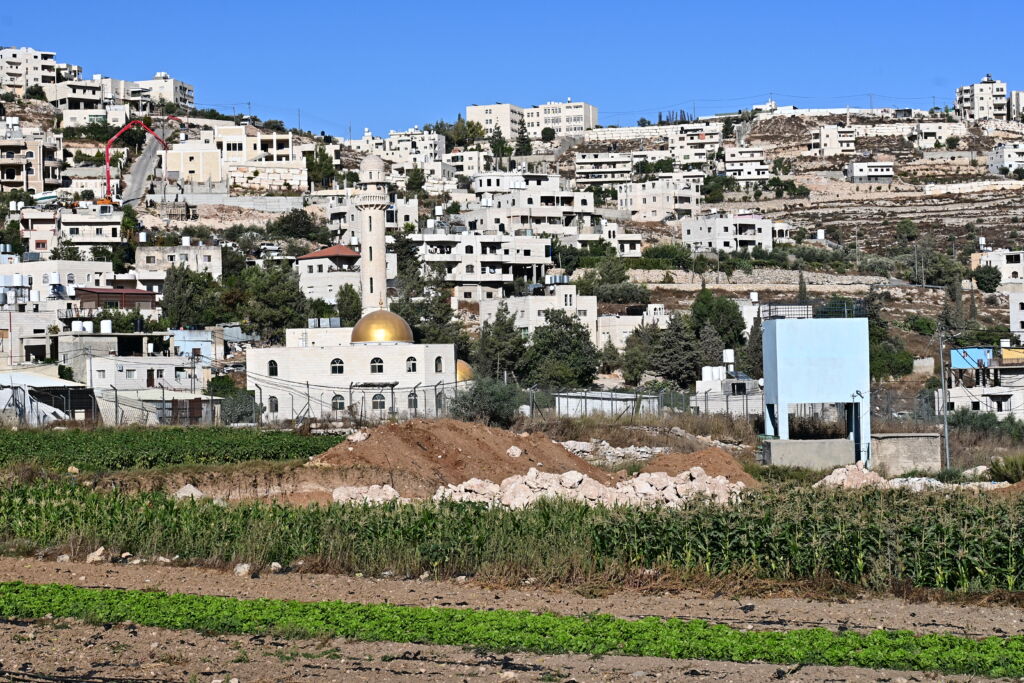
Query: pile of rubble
[857, 476]
[648, 488]
[604, 453]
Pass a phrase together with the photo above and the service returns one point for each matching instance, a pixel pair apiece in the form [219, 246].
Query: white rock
[72, 469]
[517, 496]
[98, 555]
[63, 558]
[977, 472]
[571, 479]
[243, 569]
[274, 568]
[356, 437]
[591, 489]
[659, 480]
[578, 447]
[514, 451]
[189, 491]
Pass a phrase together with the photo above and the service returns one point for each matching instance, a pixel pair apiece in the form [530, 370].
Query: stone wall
[759, 276]
[815, 454]
[898, 454]
[268, 176]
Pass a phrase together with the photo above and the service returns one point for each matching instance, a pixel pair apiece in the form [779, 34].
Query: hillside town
[517, 363]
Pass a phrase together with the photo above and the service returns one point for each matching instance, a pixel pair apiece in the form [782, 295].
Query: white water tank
[87, 326]
[77, 326]
[728, 356]
[186, 241]
[106, 326]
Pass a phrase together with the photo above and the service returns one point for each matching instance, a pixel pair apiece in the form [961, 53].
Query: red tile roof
[329, 252]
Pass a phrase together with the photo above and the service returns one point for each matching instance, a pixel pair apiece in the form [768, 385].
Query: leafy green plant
[502, 630]
[1009, 469]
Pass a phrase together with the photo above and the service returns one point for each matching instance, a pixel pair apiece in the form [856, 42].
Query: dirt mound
[417, 456]
[715, 462]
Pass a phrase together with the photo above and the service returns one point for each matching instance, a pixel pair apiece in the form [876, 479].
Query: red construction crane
[106, 151]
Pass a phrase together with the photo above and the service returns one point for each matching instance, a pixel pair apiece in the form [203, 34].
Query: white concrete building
[748, 165]
[932, 134]
[498, 116]
[404, 149]
[876, 172]
[343, 215]
[29, 161]
[1008, 155]
[1010, 265]
[696, 142]
[565, 118]
[1017, 316]
[152, 264]
[324, 272]
[608, 168]
[832, 140]
[33, 281]
[667, 197]
[536, 203]
[626, 244]
[210, 157]
[983, 100]
[86, 226]
[731, 232]
[468, 162]
[163, 88]
[23, 67]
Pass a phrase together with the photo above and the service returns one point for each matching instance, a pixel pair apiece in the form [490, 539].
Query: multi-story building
[608, 168]
[667, 197]
[33, 281]
[830, 141]
[983, 100]
[72, 95]
[748, 165]
[404, 149]
[163, 88]
[1016, 110]
[1008, 155]
[1010, 264]
[535, 203]
[931, 134]
[565, 118]
[732, 232]
[696, 142]
[343, 214]
[468, 162]
[1017, 316]
[876, 172]
[324, 272]
[152, 264]
[23, 67]
[86, 226]
[207, 158]
[626, 244]
[498, 116]
[28, 161]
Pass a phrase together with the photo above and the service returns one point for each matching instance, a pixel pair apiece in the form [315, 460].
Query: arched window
[1014, 275]
[470, 269]
[338, 402]
[438, 364]
[272, 404]
[377, 402]
[439, 402]
[71, 278]
[410, 364]
[376, 366]
[469, 248]
[337, 367]
[272, 368]
[414, 401]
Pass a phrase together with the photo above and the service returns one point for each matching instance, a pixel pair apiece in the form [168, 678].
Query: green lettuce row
[501, 630]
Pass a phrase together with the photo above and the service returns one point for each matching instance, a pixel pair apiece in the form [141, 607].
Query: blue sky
[392, 65]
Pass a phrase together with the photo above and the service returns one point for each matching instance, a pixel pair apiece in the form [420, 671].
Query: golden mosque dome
[382, 327]
[463, 371]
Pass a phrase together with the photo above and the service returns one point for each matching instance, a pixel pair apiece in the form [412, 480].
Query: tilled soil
[418, 456]
[72, 650]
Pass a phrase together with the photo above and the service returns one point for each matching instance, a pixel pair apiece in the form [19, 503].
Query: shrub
[1009, 469]
[490, 401]
[921, 324]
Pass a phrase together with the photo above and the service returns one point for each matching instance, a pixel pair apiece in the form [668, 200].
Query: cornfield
[140, 447]
[872, 538]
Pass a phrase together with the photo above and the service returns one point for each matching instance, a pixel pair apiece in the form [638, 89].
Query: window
[151, 259]
[376, 366]
[470, 269]
[377, 402]
[413, 401]
[160, 374]
[438, 364]
[170, 258]
[410, 364]
[40, 244]
[469, 248]
[207, 259]
[338, 402]
[337, 367]
[309, 269]
[975, 405]
[129, 374]
[272, 404]
[272, 368]
[101, 374]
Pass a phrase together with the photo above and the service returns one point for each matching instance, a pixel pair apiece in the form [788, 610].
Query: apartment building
[469, 162]
[404, 149]
[163, 88]
[534, 203]
[626, 244]
[565, 118]
[876, 172]
[830, 141]
[732, 232]
[73, 95]
[1009, 263]
[207, 158]
[24, 281]
[608, 168]
[696, 142]
[322, 273]
[1017, 316]
[983, 100]
[932, 134]
[1008, 155]
[343, 214]
[531, 311]
[86, 226]
[483, 265]
[668, 197]
[28, 161]
[152, 264]
[23, 67]
[748, 165]
[995, 381]
[498, 116]
[1016, 110]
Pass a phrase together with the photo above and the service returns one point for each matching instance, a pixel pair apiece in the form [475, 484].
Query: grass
[508, 631]
[874, 539]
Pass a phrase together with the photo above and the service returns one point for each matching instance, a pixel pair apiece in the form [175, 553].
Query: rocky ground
[70, 650]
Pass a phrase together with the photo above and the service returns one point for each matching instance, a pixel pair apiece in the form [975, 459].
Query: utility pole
[945, 398]
[117, 407]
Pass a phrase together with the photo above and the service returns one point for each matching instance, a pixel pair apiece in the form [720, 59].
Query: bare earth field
[71, 650]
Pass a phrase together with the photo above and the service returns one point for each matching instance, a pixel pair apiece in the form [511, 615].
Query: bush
[922, 324]
[622, 293]
[490, 401]
[1009, 469]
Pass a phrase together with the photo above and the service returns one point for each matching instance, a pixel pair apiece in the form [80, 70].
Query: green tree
[801, 290]
[643, 122]
[751, 356]
[350, 305]
[62, 251]
[273, 301]
[221, 385]
[988, 278]
[611, 359]
[499, 145]
[431, 316]
[500, 346]
[318, 308]
[298, 224]
[275, 125]
[320, 167]
[523, 146]
[676, 357]
[547, 134]
[640, 350]
[239, 407]
[489, 401]
[410, 278]
[189, 297]
[709, 347]
[907, 230]
[952, 316]
[35, 92]
[560, 353]
[415, 179]
[721, 313]
[11, 234]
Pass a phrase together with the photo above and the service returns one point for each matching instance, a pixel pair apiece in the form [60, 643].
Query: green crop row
[140, 447]
[501, 630]
[872, 538]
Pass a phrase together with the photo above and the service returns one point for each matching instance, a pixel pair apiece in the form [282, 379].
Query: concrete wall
[898, 454]
[271, 204]
[815, 454]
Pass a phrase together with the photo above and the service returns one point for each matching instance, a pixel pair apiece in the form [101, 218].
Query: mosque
[372, 370]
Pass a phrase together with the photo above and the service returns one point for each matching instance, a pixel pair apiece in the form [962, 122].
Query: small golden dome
[382, 327]
[463, 371]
